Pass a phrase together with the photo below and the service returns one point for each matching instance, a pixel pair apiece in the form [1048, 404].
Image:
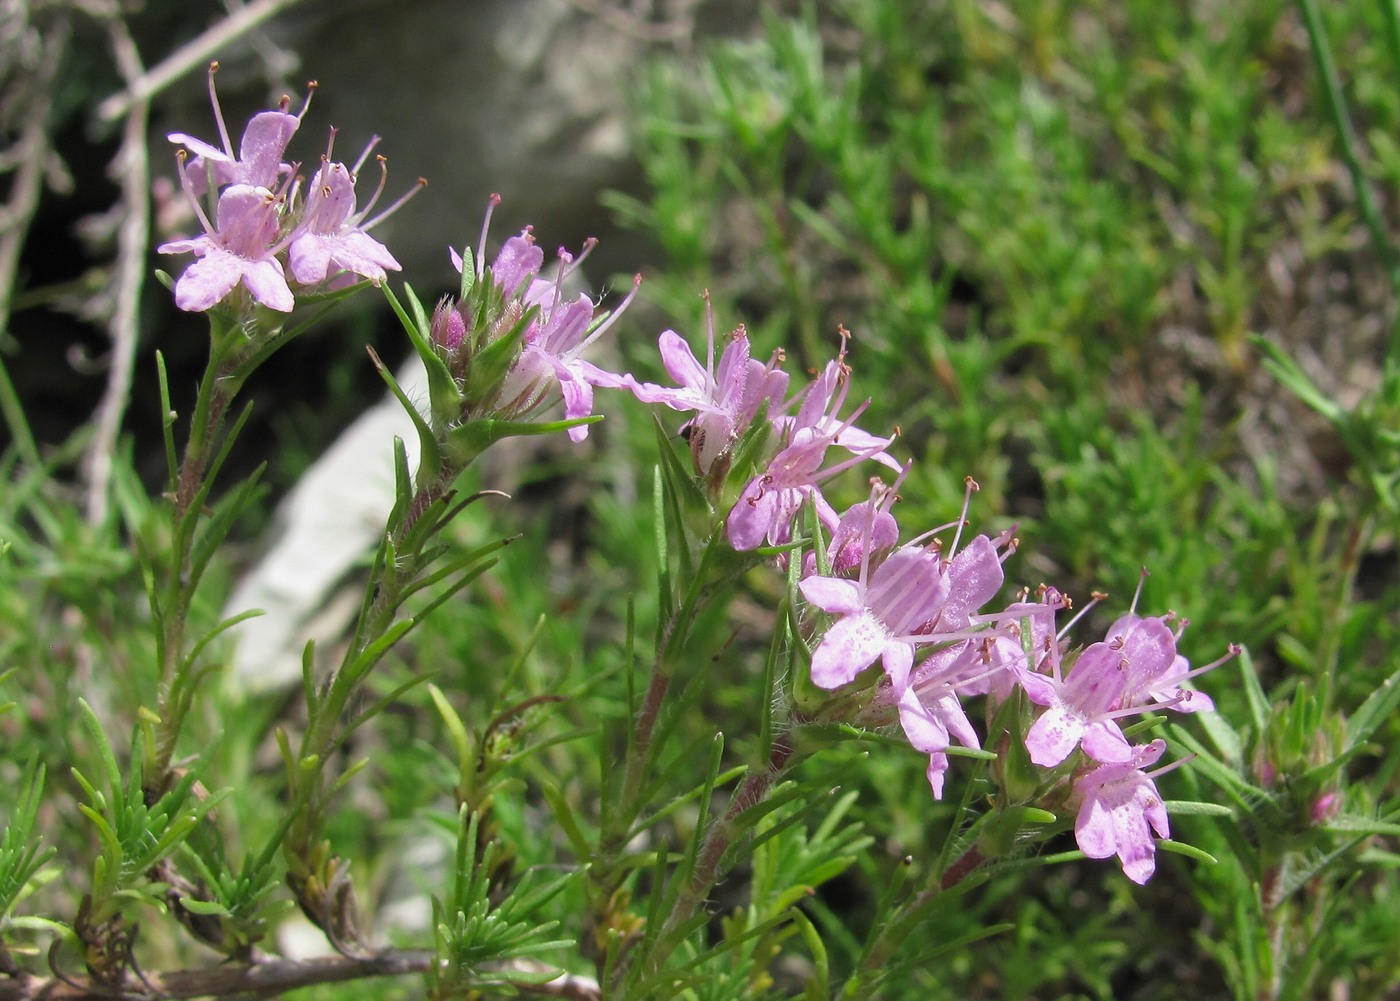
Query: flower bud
[448, 328]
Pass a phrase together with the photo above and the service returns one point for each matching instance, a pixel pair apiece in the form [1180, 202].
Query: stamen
[842, 466]
[1165, 769]
[218, 111]
[1140, 710]
[1232, 652]
[491, 204]
[378, 188]
[611, 318]
[709, 345]
[417, 187]
[293, 185]
[874, 508]
[569, 264]
[1094, 598]
[971, 485]
[364, 155]
[329, 154]
[187, 186]
[311, 86]
[1142, 579]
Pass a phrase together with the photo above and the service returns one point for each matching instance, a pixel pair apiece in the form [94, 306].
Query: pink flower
[996, 663]
[518, 261]
[822, 401]
[259, 160]
[930, 706]
[1137, 662]
[331, 236]
[560, 330]
[771, 500]
[1164, 688]
[554, 344]
[240, 249]
[726, 402]
[931, 713]
[910, 598]
[881, 615]
[1081, 709]
[865, 532]
[1120, 803]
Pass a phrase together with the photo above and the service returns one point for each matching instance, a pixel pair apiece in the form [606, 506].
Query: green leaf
[1287, 371]
[1378, 707]
[465, 442]
[567, 821]
[1185, 808]
[429, 456]
[1354, 824]
[1190, 851]
[443, 395]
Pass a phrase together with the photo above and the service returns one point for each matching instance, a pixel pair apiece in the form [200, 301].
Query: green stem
[752, 791]
[892, 933]
[1390, 10]
[176, 682]
[670, 649]
[318, 879]
[1356, 541]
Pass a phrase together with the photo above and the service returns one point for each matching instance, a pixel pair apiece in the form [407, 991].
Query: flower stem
[172, 608]
[893, 932]
[752, 791]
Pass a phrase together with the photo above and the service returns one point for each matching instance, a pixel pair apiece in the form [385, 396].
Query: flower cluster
[512, 342]
[515, 340]
[268, 223]
[917, 608]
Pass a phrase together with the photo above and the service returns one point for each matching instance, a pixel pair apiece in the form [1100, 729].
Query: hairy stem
[752, 791]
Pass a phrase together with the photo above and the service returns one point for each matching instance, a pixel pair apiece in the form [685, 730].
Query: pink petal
[1040, 688]
[310, 258]
[1053, 736]
[733, 375]
[832, 594]
[975, 577]
[518, 260]
[1104, 742]
[849, 647]
[265, 280]
[578, 401]
[1135, 848]
[898, 658]
[937, 768]
[925, 731]
[207, 281]
[1093, 830]
[680, 361]
[264, 141]
[949, 709]
[752, 516]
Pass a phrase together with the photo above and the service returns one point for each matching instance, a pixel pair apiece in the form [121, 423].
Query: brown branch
[38, 52]
[273, 976]
[194, 55]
